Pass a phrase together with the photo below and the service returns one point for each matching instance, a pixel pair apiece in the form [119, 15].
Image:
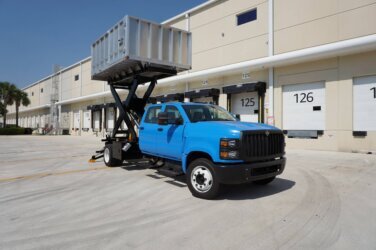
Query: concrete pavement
[52, 198]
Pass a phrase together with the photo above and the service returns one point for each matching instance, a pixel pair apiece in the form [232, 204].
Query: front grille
[262, 145]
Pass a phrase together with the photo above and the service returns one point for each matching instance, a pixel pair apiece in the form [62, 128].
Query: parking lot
[51, 197]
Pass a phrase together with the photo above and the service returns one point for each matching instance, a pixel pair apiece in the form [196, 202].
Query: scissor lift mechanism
[124, 143]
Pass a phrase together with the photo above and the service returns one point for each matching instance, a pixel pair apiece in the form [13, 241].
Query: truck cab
[211, 146]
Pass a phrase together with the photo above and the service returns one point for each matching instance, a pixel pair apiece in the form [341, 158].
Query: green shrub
[11, 126]
[12, 131]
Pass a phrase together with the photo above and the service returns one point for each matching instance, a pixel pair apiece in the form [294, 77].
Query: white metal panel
[87, 119]
[33, 122]
[110, 118]
[65, 120]
[304, 106]
[76, 120]
[96, 118]
[43, 121]
[364, 103]
[246, 105]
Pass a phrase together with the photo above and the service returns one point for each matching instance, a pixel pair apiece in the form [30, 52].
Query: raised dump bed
[135, 45]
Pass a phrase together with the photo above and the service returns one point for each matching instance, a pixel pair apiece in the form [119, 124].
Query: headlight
[229, 149]
[229, 143]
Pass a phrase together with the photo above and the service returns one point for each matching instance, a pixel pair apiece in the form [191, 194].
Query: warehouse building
[308, 67]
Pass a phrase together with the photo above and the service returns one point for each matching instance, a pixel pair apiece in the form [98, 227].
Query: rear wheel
[108, 159]
[202, 180]
[264, 181]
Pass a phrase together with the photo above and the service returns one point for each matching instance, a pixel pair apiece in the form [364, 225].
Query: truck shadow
[252, 191]
[229, 192]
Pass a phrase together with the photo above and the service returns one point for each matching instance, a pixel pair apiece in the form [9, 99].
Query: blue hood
[241, 126]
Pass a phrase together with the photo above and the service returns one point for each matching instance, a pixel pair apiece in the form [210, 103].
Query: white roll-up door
[364, 104]
[87, 120]
[110, 118]
[33, 122]
[76, 120]
[43, 121]
[96, 118]
[246, 105]
[304, 106]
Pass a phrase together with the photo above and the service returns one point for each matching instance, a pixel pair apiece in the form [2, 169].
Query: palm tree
[20, 97]
[7, 91]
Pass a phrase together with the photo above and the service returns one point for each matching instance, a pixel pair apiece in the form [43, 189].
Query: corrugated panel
[133, 41]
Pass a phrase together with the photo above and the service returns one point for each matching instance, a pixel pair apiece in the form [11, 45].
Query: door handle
[141, 128]
[160, 129]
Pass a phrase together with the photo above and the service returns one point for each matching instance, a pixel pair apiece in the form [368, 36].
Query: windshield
[199, 113]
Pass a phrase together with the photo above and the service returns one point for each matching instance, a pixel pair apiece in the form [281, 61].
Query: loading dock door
[110, 115]
[97, 119]
[246, 100]
[245, 105]
[304, 106]
[87, 120]
[76, 121]
[43, 121]
[34, 122]
[364, 103]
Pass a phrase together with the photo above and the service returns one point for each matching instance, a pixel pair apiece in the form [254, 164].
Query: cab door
[170, 137]
[148, 131]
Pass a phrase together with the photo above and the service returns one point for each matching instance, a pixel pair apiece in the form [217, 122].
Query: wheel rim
[201, 179]
[106, 155]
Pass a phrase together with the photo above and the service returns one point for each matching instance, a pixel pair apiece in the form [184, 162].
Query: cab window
[173, 114]
[152, 114]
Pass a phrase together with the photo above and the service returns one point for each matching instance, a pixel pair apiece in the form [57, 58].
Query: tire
[264, 181]
[108, 159]
[204, 170]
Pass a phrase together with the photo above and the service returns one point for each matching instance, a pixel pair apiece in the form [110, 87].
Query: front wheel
[108, 159]
[202, 180]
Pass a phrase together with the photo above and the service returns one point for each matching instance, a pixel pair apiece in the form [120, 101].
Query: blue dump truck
[202, 141]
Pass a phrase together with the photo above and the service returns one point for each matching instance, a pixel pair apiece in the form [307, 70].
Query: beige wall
[300, 24]
[69, 87]
[217, 40]
[89, 86]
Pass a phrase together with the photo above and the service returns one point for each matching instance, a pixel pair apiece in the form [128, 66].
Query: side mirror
[162, 118]
[178, 121]
[236, 116]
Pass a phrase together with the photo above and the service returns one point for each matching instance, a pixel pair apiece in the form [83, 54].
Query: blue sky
[36, 34]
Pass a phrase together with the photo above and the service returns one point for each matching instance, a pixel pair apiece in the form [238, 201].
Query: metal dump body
[133, 43]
